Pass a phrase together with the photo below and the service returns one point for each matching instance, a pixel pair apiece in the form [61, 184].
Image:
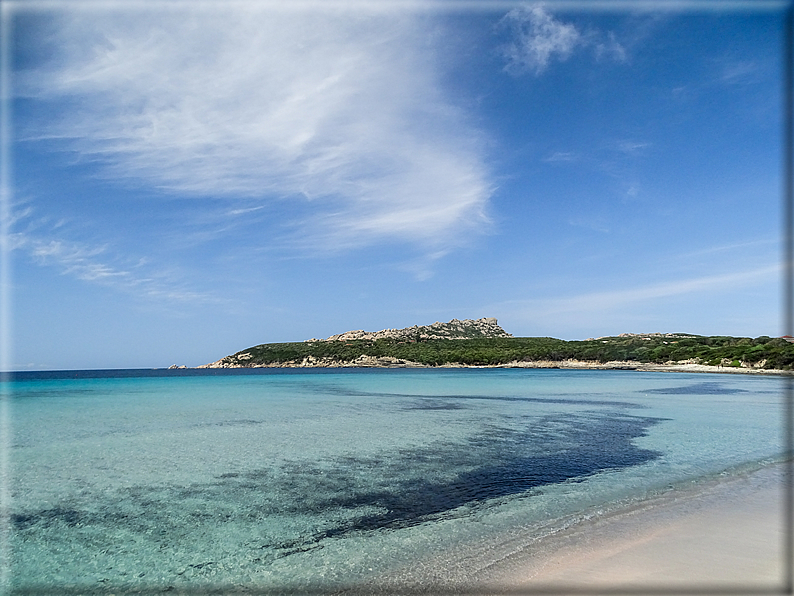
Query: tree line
[764, 352]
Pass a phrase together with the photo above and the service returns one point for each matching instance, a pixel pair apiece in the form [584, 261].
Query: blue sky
[191, 179]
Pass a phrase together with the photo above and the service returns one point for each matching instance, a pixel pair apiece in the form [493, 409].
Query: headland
[482, 343]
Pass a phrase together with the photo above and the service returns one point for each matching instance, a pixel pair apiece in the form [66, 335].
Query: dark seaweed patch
[432, 404]
[353, 494]
[338, 390]
[240, 422]
[49, 517]
[418, 500]
[706, 388]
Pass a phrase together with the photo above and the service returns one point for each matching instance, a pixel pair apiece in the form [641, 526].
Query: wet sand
[725, 537]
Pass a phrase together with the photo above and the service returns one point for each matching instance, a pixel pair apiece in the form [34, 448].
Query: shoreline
[720, 534]
[651, 367]
[723, 536]
[389, 362]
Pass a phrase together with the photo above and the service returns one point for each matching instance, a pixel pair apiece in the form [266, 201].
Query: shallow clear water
[336, 478]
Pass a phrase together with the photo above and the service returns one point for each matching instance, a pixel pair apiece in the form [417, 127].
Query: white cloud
[538, 37]
[745, 246]
[631, 147]
[610, 48]
[740, 72]
[598, 304]
[340, 109]
[561, 156]
[93, 264]
[709, 283]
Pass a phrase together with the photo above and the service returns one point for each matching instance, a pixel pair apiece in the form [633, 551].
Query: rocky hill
[455, 329]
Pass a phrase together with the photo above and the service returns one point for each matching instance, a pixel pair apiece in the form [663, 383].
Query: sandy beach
[724, 537]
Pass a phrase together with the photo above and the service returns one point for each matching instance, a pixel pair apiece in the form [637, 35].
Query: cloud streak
[94, 264]
[595, 306]
[710, 283]
[342, 111]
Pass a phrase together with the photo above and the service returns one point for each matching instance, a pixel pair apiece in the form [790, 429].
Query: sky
[188, 179]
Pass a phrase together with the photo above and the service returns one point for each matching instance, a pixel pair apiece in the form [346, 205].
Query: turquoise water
[331, 479]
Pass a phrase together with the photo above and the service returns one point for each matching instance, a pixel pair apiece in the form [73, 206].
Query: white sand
[728, 536]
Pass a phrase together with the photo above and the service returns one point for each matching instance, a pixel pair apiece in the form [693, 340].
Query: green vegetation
[762, 352]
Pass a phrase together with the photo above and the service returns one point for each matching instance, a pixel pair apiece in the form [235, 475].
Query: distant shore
[483, 344]
[649, 366]
[390, 362]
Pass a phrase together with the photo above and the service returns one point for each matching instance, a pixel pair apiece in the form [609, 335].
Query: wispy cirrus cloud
[539, 38]
[770, 243]
[610, 48]
[595, 306]
[740, 72]
[630, 147]
[707, 283]
[562, 156]
[340, 112]
[94, 263]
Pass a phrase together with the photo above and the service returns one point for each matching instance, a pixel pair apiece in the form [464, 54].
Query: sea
[300, 481]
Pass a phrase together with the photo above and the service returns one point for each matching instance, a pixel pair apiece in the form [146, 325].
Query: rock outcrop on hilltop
[455, 329]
